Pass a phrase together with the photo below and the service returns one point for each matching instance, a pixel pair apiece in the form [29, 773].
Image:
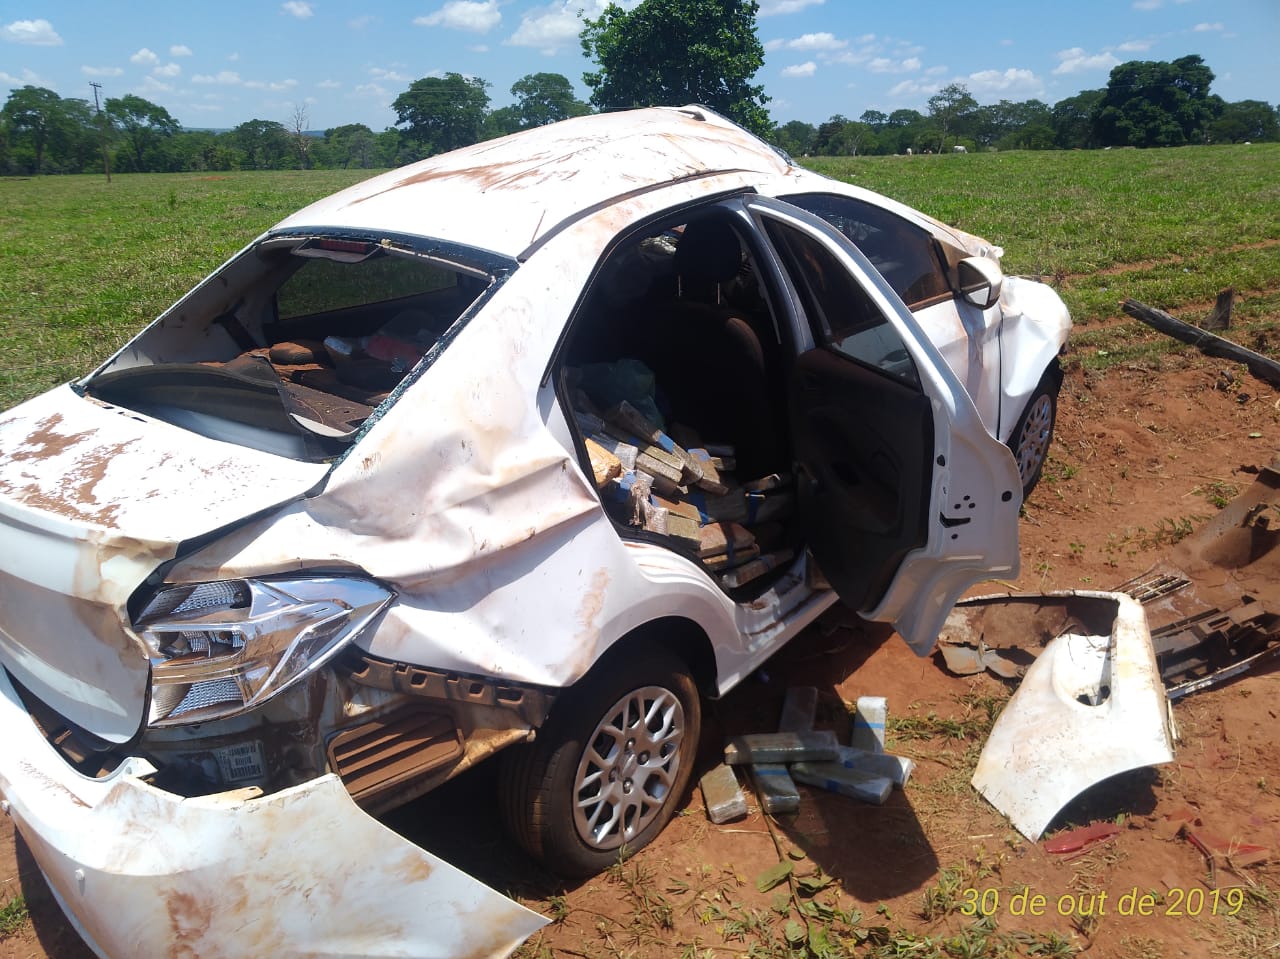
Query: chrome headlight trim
[222, 648]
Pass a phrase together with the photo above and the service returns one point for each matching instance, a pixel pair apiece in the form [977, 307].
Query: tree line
[1145, 104]
[659, 52]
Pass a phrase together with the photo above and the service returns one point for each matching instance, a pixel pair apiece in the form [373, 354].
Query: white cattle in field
[958, 149]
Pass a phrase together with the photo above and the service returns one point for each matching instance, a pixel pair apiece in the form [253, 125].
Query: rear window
[323, 286]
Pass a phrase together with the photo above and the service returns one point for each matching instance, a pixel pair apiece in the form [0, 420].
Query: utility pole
[102, 129]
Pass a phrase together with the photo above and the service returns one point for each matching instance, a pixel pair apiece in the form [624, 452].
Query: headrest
[708, 250]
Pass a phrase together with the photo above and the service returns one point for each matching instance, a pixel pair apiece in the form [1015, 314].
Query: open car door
[907, 501]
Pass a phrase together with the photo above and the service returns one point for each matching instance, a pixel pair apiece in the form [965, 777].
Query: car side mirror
[980, 281]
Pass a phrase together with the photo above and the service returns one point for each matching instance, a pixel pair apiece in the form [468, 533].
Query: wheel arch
[682, 637]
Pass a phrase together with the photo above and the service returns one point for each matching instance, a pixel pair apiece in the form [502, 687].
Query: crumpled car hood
[92, 499]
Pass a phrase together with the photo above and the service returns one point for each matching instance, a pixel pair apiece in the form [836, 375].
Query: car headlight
[222, 648]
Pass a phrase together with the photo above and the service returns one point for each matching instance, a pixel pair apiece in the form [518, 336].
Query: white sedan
[520, 449]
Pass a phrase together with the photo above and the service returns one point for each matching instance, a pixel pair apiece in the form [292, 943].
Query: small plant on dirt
[13, 916]
[1218, 493]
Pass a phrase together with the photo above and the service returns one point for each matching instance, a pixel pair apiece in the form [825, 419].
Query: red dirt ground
[1139, 453]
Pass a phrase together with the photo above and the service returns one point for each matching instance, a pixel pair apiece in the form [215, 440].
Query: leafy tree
[1003, 124]
[199, 150]
[949, 108]
[1152, 103]
[1072, 120]
[443, 113]
[673, 52]
[1251, 120]
[543, 98]
[841, 136]
[143, 126]
[502, 121]
[34, 116]
[874, 119]
[796, 137]
[265, 144]
[905, 129]
[350, 145]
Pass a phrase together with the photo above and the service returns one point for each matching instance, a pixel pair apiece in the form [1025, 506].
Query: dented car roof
[510, 194]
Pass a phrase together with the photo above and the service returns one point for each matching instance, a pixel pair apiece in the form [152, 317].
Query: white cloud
[36, 33]
[233, 57]
[1146, 4]
[1135, 46]
[329, 85]
[278, 86]
[359, 23]
[168, 70]
[101, 71]
[816, 41]
[806, 69]
[28, 78]
[179, 50]
[391, 75]
[848, 58]
[914, 88]
[773, 8]
[479, 48]
[297, 8]
[224, 78]
[885, 65]
[152, 85]
[476, 16]
[552, 27]
[1076, 60]
[144, 57]
[1011, 82]
[937, 71]
[371, 90]
[1207, 27]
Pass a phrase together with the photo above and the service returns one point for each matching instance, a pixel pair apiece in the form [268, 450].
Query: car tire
[601, 780]
[1033, 433]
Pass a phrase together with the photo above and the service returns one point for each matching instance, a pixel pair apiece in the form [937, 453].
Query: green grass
[1175, 225]
[86, 264]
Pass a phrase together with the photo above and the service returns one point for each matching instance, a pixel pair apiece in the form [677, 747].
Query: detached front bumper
[302, 872]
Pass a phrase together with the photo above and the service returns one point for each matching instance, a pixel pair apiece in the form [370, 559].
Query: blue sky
[219, 64]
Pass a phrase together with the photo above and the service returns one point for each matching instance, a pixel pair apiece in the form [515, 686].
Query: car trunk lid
[93, 498]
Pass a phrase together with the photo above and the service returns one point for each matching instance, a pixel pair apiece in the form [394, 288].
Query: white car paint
[1090, 707]
[464, 493]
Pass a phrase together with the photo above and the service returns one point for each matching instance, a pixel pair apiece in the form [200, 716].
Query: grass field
[86, 263]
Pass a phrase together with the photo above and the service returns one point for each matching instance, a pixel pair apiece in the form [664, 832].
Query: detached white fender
[302, 872]
[1090, 707]
[1035, 328]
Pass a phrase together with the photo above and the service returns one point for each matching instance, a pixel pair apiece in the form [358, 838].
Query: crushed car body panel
[302, 872]
[508, 194]
[85, 524]
[1090, 707]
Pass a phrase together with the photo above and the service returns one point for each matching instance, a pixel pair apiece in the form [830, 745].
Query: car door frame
[974, 492]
